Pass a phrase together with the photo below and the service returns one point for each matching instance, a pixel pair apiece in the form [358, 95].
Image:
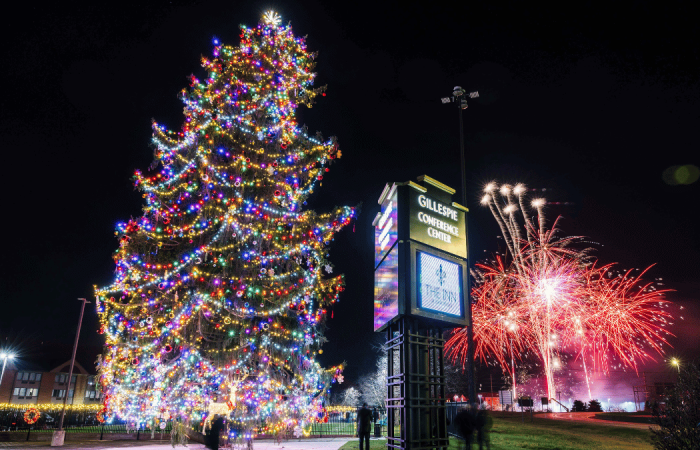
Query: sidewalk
[294, 444]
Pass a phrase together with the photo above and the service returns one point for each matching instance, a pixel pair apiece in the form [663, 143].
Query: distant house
[490, 400]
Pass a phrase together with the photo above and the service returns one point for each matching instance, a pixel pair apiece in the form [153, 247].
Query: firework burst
[547, 297]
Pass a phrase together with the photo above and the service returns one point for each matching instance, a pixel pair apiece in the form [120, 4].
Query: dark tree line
[679, 418]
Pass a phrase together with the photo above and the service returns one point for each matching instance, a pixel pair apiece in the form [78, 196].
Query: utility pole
[59, 435]
[459, 97]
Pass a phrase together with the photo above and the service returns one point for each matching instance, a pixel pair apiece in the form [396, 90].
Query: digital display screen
[386, 289]
[439, 285]
[386, 229]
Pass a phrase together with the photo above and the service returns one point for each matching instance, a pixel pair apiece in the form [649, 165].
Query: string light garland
[52, 407]
[223, 284]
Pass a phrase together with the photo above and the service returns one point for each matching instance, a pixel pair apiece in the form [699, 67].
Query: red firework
[548, 298]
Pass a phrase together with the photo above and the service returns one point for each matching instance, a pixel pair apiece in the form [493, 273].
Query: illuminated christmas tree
[223, 282]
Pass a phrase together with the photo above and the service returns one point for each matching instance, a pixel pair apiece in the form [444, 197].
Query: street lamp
[5, 357]
[677, 363]
[459, 97]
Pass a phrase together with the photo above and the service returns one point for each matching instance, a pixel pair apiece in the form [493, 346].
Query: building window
[28, 377]
[25, 392]
[91, 381]
[61, 378]
[91, 395]
[58, 393]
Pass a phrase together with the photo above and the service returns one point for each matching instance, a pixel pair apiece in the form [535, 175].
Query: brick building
[32, 384]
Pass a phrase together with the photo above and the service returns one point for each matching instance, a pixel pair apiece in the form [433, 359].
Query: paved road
[587, 417]
[305, 444]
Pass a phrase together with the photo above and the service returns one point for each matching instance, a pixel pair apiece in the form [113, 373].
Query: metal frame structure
[415, 387]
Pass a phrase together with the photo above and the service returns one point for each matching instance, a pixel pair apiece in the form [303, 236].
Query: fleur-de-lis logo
[441, 274]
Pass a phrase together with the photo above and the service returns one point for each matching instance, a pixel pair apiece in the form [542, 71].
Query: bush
[679, 421]
[594, 406]
[579, 406]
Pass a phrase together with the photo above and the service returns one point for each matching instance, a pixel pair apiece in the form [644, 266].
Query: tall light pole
[459, 97]
[59, 435]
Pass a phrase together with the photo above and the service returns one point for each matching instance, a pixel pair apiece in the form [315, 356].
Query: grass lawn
[509, 433]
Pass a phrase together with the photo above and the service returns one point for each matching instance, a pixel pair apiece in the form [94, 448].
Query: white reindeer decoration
[225, 408]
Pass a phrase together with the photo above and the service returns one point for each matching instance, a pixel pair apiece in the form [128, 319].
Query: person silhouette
[213, 437]
[465, 423]
[484, 423]
[364, 425]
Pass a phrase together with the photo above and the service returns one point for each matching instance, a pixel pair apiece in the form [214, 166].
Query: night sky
[588, 104]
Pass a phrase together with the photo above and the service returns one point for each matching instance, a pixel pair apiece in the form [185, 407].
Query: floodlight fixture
[474, 94]
[458, 91]
[446, 99]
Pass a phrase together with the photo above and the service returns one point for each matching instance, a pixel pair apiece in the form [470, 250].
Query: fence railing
[336, 422]
[343, 423]
[12, 422]
[111, 428]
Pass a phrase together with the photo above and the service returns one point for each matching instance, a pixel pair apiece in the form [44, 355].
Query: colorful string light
[223, 283]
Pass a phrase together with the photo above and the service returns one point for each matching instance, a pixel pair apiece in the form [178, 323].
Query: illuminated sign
[386, 290]
[386, 224]
[437, 224]
[420, 252]
[439, 285]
